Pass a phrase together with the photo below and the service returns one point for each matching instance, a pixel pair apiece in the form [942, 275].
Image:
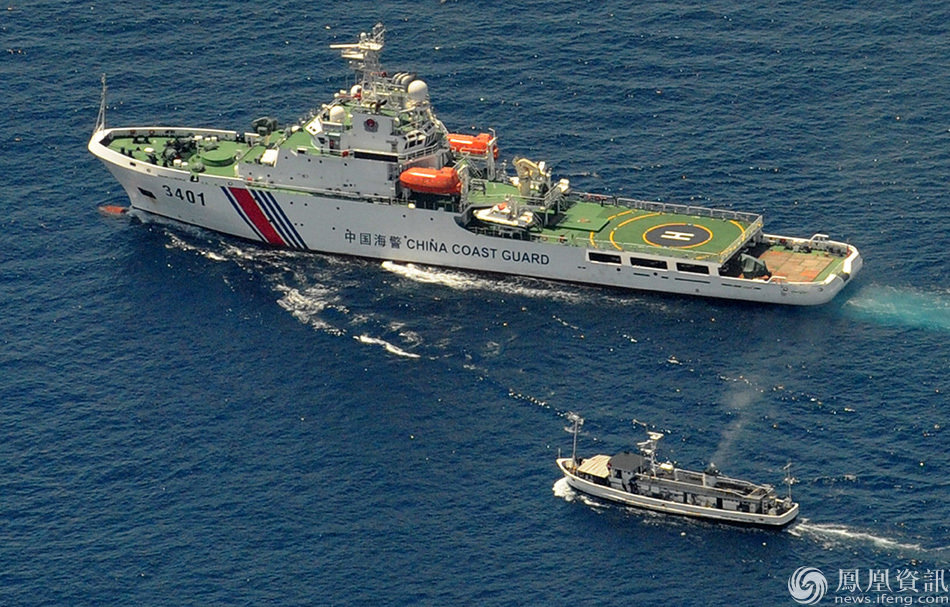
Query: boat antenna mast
[363, 57]
[789, 480]
[649, 446]
[578, 422]
[101, 119]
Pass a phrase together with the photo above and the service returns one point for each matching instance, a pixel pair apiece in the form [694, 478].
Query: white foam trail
[462, 281]
[174, 242]
[227, 252]
[392, 349]
[236, 252]
[902, 306]
[408, 335]
[307, 306]
[564, 323]
[843, 534]
[564, 491]
[430, 276]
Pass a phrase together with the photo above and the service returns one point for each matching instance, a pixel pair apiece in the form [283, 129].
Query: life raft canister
[431, 181]
[469, 144]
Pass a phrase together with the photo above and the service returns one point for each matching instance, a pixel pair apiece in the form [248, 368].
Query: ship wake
[464, 281]
[391, 348]
[564, 491]
[902, 307]
[834, 536]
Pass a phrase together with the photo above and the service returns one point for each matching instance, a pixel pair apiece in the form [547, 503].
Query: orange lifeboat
[469, 144]
[431, 181]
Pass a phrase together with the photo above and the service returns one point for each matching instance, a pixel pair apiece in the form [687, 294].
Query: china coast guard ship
[374, 173]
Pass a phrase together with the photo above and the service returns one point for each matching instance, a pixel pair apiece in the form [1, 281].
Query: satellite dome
[418, 91]
[337, 114]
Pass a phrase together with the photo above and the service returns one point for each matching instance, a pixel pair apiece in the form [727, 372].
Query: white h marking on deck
[669, 235]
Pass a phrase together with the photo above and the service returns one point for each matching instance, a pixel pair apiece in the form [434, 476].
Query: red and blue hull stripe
[261, 212]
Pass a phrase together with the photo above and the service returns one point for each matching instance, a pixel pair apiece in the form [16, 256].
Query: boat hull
[657, 505]
[389, 229]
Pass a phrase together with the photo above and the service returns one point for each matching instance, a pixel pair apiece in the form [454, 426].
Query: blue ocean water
[188, 419]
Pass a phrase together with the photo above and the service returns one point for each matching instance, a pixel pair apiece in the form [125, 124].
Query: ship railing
[681, 209]
[410, 155]
[492, 199]
[168, 132]
[473, 184]
[670, 207]
[751, 224]
[819, 242]
[748, 233]
[553, 198]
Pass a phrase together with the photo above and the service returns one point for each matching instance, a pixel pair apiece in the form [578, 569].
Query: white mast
[578, 422]
[788, 478]
[363, 57]
[101, 119]
[648, 447]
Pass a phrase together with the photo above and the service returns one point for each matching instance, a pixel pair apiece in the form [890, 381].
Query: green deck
[651, 228]
[637, 230]
[219, 158]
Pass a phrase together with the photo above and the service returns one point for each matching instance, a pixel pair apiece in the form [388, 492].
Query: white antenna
[101, 119]
[788, 478]
[648, 447]
[578, 422]
[363, 56]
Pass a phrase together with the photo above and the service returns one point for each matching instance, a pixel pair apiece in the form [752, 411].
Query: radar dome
[418, 91]
[337, 114]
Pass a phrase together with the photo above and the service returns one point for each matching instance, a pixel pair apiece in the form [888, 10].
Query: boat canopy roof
[595, 466]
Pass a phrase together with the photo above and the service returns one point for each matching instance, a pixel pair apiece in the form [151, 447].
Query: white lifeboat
[505, 214]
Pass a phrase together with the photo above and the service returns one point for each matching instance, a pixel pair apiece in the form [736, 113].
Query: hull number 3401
[188, 195]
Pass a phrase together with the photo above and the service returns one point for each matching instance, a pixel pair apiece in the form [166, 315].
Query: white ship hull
[387, 230]
[640, 501]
